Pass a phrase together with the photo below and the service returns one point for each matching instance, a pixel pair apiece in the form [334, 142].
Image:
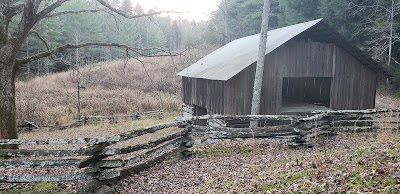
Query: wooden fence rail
[29, 125]
[136, 116]
[92, 161]
[94, 153]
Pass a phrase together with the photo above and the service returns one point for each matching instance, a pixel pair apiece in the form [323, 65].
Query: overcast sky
[192, 9]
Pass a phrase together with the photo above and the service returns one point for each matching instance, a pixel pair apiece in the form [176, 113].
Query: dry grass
[386, 123]
[104, 129]
[387, 101]
[110, 88]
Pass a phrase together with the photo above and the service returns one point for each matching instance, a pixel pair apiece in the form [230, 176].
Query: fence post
[188, 143]
[95, 185]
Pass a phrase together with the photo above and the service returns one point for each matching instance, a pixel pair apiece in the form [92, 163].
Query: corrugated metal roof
[229, 60]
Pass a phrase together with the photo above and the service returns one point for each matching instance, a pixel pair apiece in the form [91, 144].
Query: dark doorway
[199, 111]
[306, 94]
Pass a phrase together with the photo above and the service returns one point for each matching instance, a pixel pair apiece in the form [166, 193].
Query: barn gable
[232, 58]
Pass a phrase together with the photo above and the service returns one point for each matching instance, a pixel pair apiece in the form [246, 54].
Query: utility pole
[255, 105]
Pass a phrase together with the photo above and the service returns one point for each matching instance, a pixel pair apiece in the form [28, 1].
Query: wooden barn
[308, 66]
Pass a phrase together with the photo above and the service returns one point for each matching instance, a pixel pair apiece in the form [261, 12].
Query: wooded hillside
[371, 25]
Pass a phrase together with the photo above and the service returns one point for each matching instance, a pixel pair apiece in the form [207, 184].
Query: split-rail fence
[98, 159]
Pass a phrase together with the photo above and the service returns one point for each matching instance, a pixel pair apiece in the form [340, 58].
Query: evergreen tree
[127, 6]
[297, 11]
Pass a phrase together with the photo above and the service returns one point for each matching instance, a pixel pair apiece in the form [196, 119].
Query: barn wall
[238, 92]
[293, 59]
[303, 59]
[296, 58]
[204, 93]
[354, 85]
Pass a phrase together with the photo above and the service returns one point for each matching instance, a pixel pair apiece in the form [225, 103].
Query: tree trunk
[255, 105]
[8, 124]
[391, 34]
[390, 46]
[226, 38]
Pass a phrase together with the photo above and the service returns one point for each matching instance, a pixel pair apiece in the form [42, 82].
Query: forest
[371, 25]
[91, 102]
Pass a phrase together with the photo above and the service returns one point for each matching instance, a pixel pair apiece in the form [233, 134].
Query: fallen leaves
[344, 164]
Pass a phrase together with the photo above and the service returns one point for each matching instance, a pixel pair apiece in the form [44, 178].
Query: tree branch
[129, 15]
[74, 12]
[14, 10]
[138, 51]
[28, 20]
[46, 11]
[41, 39]
[395, 61]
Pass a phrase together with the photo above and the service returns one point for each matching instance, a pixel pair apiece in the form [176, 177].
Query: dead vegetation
[347, 163]
[116, 87]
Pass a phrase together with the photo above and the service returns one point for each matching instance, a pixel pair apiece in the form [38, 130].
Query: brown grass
[104, 129]
[109, 89]
[386, 101]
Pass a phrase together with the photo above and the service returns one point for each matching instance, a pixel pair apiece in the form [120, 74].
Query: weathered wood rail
[113, 118]
[90, 161]
[29, 125]
[298, 130]
[96, 157]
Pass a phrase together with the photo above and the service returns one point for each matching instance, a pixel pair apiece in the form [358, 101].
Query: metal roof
[232, 58]
[229, 60]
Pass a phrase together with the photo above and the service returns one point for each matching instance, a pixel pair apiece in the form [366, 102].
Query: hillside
[113, 87]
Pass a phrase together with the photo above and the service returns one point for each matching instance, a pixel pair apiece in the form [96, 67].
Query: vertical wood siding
[354, 85]
[204, 93]
[238, 92]
[293, 59]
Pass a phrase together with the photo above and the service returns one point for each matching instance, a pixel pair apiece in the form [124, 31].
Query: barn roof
[232, 58]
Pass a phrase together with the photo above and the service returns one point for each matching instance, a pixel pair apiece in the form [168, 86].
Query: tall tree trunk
[391, 34]
[226, 38]
[255, 105]
[8, 124]
[390, 45]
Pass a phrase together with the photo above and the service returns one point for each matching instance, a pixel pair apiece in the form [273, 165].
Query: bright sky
[191, 9]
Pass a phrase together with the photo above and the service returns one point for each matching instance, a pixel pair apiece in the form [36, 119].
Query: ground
[346, 163]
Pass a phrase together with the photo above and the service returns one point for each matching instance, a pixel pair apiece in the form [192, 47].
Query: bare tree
[255, 105]
[29, 13]
[224, 8]
[379, 21]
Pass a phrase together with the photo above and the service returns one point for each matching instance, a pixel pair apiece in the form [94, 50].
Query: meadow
[107, 88]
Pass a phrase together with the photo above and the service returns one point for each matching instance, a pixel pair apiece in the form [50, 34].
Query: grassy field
[115, 87]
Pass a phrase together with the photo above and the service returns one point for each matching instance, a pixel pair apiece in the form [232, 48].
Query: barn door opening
[305, 94]
[200, 111]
